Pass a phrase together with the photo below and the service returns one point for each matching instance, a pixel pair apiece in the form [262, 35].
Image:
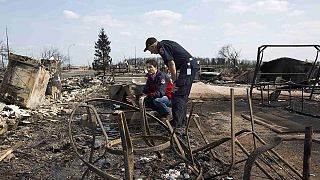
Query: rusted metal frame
[314, 64]
[255, 154]
[189, 152]
[252, 121]
[302, 100]
[233, 138]
[261, 93]
[257, 163]
[98, 159]
[182, 148]
[140, 150]
[251, 117]
[175, 139]
[107, 113]
[247, 153]
[268, 90]
[185, 150]
[278, 156]
[125, 133]
[126, 145]
[90, 166]
[118, 141]
[317, 76]
[307, 153]
[270, 166]
[297, 138]
[290, 97]
[258, 64]
[145, 124]
[129, 107]
[94, 122]
[260, 57]
[107, 176]
[269, 156]
[206, 140]
[218, 142]
[93, 127]
[197, 166]
[232, 135]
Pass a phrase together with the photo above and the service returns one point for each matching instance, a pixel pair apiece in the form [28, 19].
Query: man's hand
[174, 87]
[172, 69]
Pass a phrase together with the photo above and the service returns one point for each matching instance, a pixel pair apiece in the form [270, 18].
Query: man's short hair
[152, 62]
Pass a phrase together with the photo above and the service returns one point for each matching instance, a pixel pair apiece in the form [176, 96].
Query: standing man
[183, 68]
[158, 89]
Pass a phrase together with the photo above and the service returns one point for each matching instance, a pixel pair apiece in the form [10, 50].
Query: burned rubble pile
[32, 138]
[86, 128]
[35, 145]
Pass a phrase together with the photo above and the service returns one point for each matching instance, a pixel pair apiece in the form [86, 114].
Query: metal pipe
[307, 153]
[232, 129]
[290, 103]
[251, 118]
[256, 163]
[126, 146]
[302, 100]
[278, 156]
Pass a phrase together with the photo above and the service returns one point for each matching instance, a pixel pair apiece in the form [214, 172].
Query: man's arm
[172, 69]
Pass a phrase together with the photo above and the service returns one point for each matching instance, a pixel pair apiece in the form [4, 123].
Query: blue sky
[201, 26]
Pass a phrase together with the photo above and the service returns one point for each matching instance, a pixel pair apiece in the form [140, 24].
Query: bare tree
[53, 52]
[231, 55]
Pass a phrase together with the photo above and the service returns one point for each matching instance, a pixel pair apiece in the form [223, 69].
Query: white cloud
[274, 5]
[302, 32]
[228, 26]
[85, 44]
[125, 33]
[193, 27]
[246, 28]
[70, 14]
[164, 17]
[103, 20]
[2, 1]
[239, 7]
[296, 13]
[261, 6]
[208, 1]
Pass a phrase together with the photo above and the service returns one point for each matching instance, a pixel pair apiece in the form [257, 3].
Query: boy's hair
[152, 62]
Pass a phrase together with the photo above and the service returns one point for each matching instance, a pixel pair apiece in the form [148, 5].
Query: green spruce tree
[102, 59]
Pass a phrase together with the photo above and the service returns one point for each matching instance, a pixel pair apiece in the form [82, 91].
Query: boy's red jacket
[158, 85]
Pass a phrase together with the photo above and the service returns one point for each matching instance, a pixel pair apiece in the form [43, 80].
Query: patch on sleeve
[161, 51]
[163, 81]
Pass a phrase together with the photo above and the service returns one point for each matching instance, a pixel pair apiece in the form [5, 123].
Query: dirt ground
[43, 150]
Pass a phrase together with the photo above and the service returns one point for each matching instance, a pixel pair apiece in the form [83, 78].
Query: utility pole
[69, 66]
[7, 42]
[135, 59]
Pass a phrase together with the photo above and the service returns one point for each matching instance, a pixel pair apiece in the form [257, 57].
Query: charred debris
[100, 129]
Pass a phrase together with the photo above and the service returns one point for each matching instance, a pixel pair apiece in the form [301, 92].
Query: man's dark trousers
[180, 96]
